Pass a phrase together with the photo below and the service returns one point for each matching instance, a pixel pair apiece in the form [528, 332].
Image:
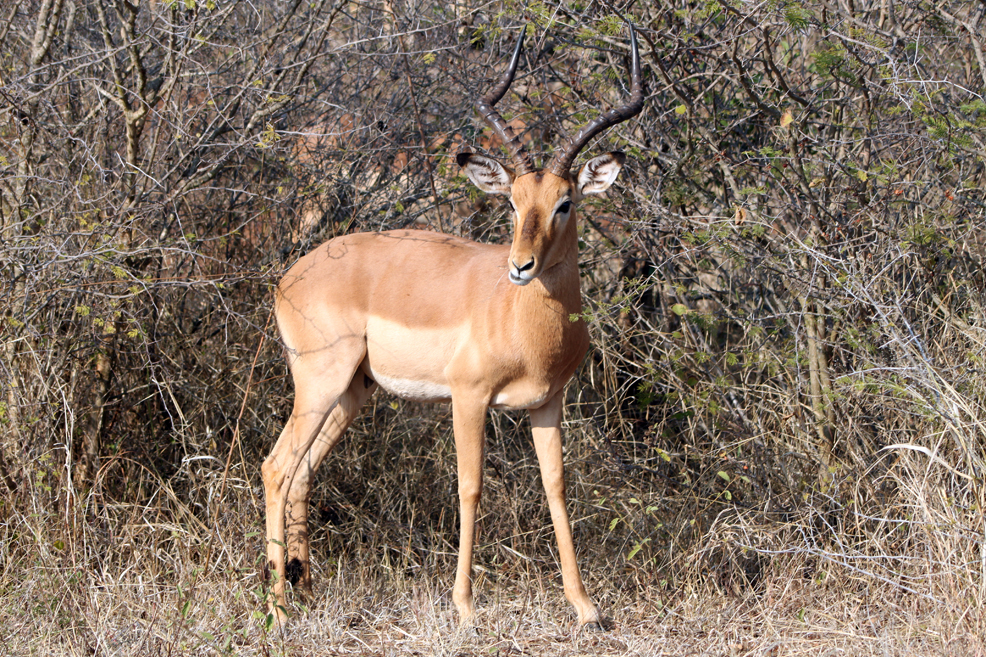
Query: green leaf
[797, 16]
[636, 548]
[723, 474]
[679, 309]
[613, 524]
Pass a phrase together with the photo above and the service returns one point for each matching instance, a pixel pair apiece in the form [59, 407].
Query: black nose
[525, 267]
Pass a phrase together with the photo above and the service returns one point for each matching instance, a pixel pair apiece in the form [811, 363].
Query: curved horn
[562, 161]
[522, 160]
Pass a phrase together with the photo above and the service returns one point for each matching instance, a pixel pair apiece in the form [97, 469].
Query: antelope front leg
[546, 427]
[468, 423]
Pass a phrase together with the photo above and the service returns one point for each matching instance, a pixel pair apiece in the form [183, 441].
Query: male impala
[432, 317]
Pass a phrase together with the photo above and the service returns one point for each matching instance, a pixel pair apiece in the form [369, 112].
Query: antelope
[437, 318]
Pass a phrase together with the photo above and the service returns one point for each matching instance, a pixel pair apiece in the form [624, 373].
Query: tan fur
[433, 317]
[428, 313]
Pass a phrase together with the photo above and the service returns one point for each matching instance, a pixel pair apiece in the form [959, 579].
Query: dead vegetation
[775, 446]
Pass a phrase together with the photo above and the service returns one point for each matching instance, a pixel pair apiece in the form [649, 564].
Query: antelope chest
[544, 370]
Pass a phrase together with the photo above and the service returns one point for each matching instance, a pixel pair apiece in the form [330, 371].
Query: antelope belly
[409, 362]
[424, 391]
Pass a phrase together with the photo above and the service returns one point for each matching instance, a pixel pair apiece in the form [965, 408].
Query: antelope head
[544, 200]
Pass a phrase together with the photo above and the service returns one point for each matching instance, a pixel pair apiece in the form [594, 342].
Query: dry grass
[364, 610]
[131, 583]
[777, 445]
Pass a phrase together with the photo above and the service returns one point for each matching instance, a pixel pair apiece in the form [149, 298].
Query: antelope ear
[596, 175]
[486, 173]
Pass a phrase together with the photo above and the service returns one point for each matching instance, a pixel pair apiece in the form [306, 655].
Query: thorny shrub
[785, 292]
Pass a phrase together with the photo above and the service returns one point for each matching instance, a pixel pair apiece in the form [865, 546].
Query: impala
[433, 317]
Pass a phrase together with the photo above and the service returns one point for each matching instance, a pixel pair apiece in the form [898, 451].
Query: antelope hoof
[467, 621]
[594, 627]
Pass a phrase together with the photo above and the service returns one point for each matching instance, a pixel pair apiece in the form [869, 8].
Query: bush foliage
[785, 289]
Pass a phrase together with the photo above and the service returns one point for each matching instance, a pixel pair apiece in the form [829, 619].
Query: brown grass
[777, 445]
[129, 580]
[368, 609]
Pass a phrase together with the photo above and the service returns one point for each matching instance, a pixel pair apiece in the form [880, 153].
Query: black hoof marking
[294, 571]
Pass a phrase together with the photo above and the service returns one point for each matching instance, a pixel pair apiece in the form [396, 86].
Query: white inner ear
[600, 172]
[488, 174]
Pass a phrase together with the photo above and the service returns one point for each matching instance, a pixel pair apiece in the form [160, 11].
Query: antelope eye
[564, 207]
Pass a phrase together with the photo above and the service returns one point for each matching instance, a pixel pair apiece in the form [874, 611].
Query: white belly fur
[424, 391]
[409, 362]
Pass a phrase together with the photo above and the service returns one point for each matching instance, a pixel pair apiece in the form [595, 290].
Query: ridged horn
[561, 163]
[521, 159]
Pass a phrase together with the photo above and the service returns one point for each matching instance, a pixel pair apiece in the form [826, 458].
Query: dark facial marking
[532, 224]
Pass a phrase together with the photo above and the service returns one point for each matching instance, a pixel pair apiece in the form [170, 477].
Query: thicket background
[775, 445]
